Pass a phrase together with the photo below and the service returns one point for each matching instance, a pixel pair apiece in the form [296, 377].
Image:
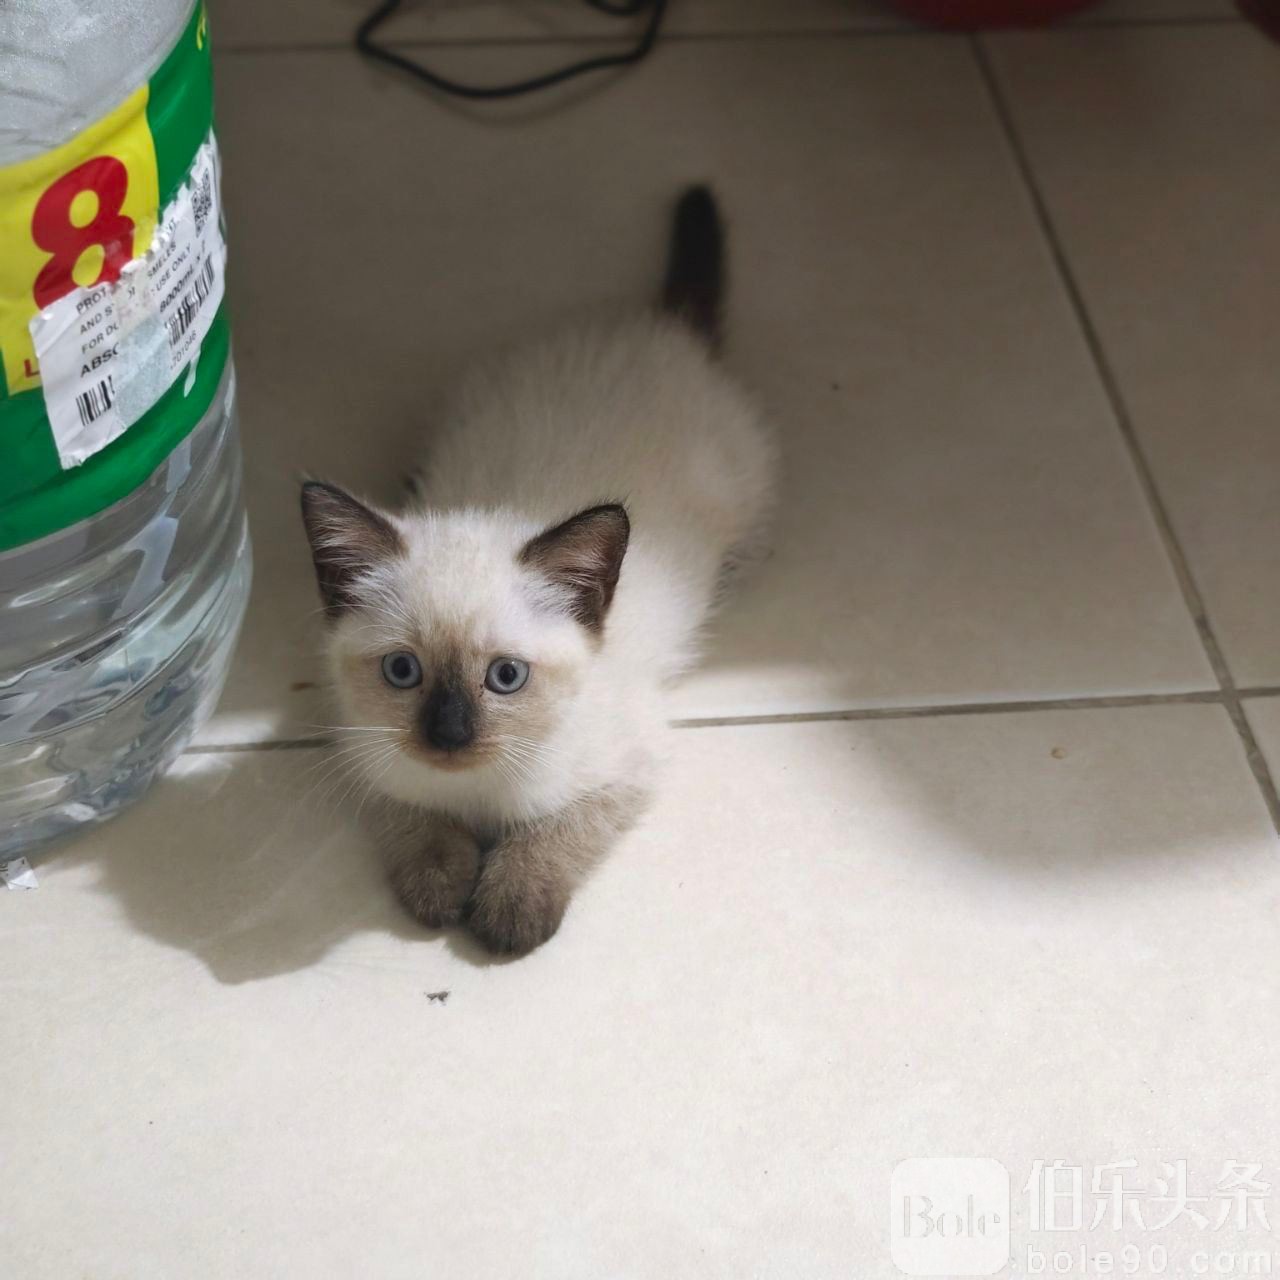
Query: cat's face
[457, 641]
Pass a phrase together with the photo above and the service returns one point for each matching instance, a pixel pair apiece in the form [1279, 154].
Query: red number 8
[53, 230]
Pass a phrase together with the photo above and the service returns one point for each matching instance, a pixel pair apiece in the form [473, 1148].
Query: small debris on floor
[437, 997]
[299, 685]
[17, 874]
[1059, 753]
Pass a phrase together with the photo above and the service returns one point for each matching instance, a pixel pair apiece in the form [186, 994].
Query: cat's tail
[694, 287]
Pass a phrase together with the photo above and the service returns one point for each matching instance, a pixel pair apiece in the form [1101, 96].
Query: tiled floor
[977, 856]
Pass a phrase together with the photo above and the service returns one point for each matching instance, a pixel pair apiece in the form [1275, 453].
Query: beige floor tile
[244, 23]
[958, 518]
[1155, 149]
[829, 948]
[1264, 716]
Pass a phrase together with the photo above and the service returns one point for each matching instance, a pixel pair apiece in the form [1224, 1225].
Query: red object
[970, 15]
[55, 233]
[967, 15]
[1266, 13]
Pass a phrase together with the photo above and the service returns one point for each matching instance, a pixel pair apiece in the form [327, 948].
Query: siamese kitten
[498, 649]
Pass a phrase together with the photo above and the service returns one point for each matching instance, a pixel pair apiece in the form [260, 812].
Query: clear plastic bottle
[124, 574]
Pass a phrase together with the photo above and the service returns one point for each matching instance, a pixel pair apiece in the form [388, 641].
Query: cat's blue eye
[401, 669]
[506, 675]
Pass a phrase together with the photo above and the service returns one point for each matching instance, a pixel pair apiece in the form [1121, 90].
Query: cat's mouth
[450, 759]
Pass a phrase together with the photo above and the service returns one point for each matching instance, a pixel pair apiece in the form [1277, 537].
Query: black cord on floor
[616, 8]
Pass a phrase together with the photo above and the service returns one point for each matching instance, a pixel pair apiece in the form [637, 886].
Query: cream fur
[632, 410]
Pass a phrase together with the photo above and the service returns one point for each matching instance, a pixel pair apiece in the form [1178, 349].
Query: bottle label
[107, 353]
[113, 333]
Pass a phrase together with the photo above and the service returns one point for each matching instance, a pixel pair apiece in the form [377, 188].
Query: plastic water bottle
[124, 554]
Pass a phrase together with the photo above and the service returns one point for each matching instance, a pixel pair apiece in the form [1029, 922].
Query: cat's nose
[448, 720]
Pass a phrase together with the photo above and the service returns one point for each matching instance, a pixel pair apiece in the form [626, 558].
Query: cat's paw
[435, 882]
[511, 915]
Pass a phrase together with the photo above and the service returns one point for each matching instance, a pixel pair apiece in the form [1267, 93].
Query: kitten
[501, 645]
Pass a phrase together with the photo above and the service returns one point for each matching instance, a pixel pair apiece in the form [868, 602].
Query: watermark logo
[1057, 1199]
[950, 1216]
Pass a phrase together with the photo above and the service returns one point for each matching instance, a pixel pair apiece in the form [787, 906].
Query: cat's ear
[347, 540]
[583, 556]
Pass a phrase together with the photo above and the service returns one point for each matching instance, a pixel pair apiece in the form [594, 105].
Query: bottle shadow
[250, 861]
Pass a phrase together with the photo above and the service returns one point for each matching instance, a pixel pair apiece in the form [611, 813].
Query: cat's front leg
[530, 874]
[432, 862]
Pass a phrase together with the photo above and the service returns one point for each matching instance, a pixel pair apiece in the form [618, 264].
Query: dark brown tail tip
[694, 286]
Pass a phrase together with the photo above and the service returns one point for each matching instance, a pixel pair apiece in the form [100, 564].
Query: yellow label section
[72, 216]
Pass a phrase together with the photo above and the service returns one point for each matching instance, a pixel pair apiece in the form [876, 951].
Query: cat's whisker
[351, 750]
[529, 768]
[536, 756]
[518, 773]
[522, 767]
[353, 728]
[522, 772]
[385, 766]
[358, 740]
[504, 768]
[323, 769]
[375, 772]
[395, 634]
[548, 747]
[353, 756]
[357, 776]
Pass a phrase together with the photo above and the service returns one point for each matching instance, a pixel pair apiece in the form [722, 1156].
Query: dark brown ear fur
[347, 539]
[584, 556]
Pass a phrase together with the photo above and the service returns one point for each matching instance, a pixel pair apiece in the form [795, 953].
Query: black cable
[619, 8]
[616, 8]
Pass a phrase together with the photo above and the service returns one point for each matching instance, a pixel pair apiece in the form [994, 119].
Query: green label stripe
[37, 497]
[180, 104]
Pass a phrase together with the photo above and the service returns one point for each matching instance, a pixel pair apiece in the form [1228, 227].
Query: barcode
[191, 303]
[96, 401]
[202, 200]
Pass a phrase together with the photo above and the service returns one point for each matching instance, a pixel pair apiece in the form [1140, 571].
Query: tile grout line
[796, 33]
[1124, 423]
[941, 710]
[922, 711]
[944, 710]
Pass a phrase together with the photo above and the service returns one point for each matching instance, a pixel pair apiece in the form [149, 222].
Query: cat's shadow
[238, 858]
